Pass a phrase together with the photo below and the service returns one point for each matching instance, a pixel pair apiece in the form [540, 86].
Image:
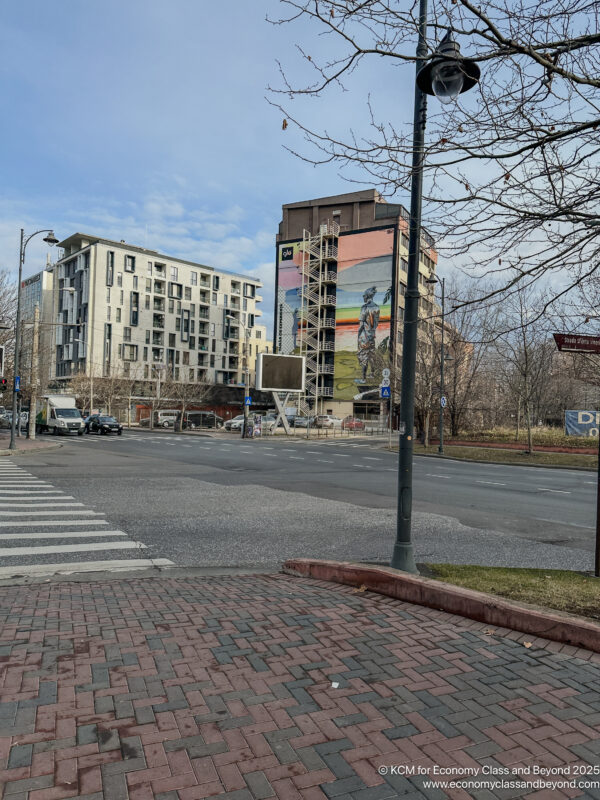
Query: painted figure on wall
[367, 328]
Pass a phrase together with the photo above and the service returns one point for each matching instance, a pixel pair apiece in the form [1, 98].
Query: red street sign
[577, 343]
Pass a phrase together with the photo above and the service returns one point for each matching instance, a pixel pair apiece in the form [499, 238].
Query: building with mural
[341, 276]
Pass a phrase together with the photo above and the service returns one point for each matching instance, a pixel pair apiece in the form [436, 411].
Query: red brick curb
[546, 623]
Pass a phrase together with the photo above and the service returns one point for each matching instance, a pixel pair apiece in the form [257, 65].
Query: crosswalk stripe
[37, 504]
[47, 522]
[58, 535]
[34, 498]
[83, 566]
[42, 513]
[70, 548]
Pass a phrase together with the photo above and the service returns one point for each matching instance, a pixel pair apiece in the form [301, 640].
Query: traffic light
[3, 384]
[1, 359]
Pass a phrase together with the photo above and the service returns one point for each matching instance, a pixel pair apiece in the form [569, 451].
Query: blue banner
[582, 423]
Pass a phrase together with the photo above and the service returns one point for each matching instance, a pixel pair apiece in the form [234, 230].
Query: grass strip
[562, 590]
[500, 456]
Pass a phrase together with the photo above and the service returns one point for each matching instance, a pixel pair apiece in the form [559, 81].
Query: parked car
[303, 422]
[229, 422]
[103, 425]
[327, 421]
[162, 419]
[200, 419]
[352, 424]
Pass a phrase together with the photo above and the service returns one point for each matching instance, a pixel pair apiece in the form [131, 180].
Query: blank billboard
[279, 373]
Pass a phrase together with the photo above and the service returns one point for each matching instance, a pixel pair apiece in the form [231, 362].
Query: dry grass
[501, 456]
[549, 436]
[573, 592]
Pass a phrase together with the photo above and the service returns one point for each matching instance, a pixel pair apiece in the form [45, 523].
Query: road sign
[386, 391]
[385, 373]
[247, 401]
[17, 383]
[384, 382]
[443, 401]
[577, 343]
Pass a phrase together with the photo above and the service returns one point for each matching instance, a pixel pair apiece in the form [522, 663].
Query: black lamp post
[446, 75]
[50, 239]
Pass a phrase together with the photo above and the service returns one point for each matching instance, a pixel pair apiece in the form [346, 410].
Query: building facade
[341, 273]
[115, 309]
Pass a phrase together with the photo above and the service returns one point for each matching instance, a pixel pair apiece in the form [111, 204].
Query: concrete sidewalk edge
[30, 450]
[543, 622]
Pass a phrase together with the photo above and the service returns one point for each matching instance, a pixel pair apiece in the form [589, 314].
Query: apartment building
[123, 310]
[341, 276]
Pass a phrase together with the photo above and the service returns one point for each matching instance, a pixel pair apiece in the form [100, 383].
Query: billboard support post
[280, 405]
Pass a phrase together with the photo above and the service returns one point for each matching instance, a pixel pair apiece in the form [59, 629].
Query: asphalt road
[219, 500]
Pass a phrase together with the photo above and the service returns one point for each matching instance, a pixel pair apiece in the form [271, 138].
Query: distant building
[114, 309]
[341, 277]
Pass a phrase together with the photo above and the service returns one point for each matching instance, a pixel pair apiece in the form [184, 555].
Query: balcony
[158, 339]
[157, 354]
[328, 300]
[329, 277]
[326, 369]
[159, 304]
[159, 287]
[325, 391]
[327, 322]
[203, 313]
[158, 320]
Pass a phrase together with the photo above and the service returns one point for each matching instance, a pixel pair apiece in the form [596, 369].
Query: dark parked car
[102, 424]
[200, 419]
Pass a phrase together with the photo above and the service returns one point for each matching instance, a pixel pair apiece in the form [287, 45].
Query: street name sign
[577, 342]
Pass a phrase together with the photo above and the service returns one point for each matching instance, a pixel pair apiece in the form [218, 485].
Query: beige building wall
[136, 312]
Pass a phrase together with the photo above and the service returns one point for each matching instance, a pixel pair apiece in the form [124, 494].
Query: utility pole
[442, 359]
[34, 372]
[246, 380]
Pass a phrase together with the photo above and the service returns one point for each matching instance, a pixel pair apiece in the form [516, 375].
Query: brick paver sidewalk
[270, 686]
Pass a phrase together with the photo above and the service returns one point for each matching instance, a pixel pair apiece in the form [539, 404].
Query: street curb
[535, 620]
[499, 463]
[30, 450]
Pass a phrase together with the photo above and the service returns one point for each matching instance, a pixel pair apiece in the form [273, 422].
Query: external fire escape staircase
[319, 278]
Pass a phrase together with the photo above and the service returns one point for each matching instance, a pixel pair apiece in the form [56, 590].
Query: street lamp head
[448, 74]
[431, 279]
[51, 238]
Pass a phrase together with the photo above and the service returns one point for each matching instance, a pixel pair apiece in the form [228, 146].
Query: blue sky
[147, 121]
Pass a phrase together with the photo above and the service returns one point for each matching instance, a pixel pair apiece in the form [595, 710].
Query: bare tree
[512, 178]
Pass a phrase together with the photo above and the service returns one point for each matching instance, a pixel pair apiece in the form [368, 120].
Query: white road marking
[556, 491]
[314, 452]
[492, 483]
[570, 524]
[84, 566]
[29, 492]
[324, 461]
[36, 503]
[362, 466]
[42, 513]
[433, 475]
[371, 458]
[69, 548]
[47, 522]
[287, 450]
[59, 535]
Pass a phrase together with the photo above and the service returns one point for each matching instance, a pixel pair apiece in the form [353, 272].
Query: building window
[185, 326]
[249, 290]
[119, 279]
[121, 296]
[171, 306]
[126, 334]
[215, 283]
[178, 309]
[135, 282]
[214, 298]
[134, 299]
[185, 358]
[212, 328]
[177, 323]
[187, 293]
[118, 317]
[129, 264]
[110, 268]
[212, 361]
[147, 302]
[148, 284]
[245, 304]
[194, 278]
[174, 273]
[172, 340]
[130, 352]
[225, 300]
[108, 312]
[149, 268]
[258, 334]
[147, 337]
[145, 359]
[192, 344]
[175, 290]
[108, 295]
